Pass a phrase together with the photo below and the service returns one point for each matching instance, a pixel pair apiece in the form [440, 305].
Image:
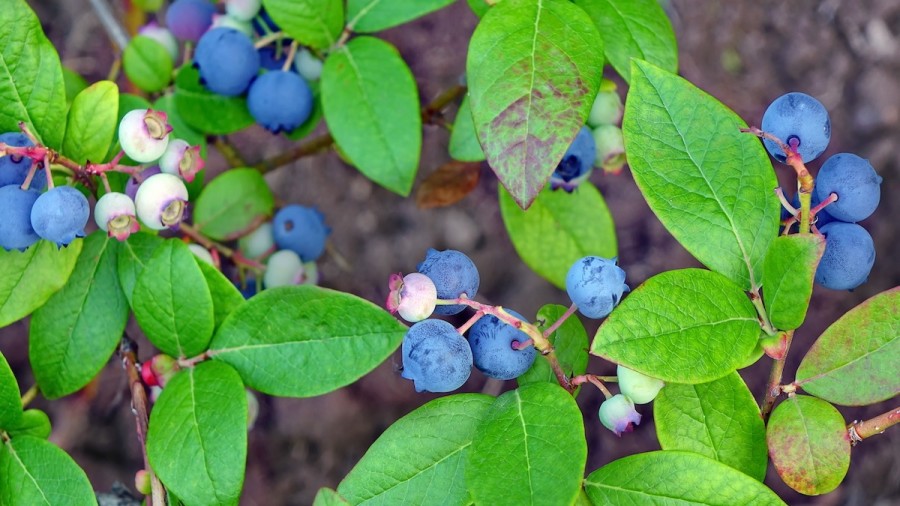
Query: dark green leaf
[464, 144]
[225, 296]
[180, 128]
[809, 444]
[28, 278]
[371, 105]
[367, 16]
[206, 111]
[719, 420]
[789, 269]
[682, 326]
[33, 422]
[32, 88]
[529, 449]
[74, 83]
[663, 478]
[421, 458]
[147, 64]
[134, 253]
[301, 341]
[316, 23]
[77, 330]
[35, 472]
[854, 362]
[558, 229]
[232, 203]
[10, 400]
[92, 123]
[708, 183]
[328, 497]
[533, 69]
[570, 342]
[197, 438]
[633, 29]
[172, 302]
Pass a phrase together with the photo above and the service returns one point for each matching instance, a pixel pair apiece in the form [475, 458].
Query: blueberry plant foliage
[534, 78]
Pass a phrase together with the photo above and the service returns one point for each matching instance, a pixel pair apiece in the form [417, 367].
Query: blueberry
[227, 21]
[856, 184]
[606, 110]
[227, 61]
[14, 169]
[595, 285]
[115, 213]
[189, 19]
[413, 296]
[280, 100]
[453, 273]
[577, 163]
[257, 243]
[131, 187]
[201, 253]
[301, 230]
[162, 35]
[244, 10]
[492, 344]
[283, 268]
[797, 117]
[144, 134]
[610, 148]
[60, 214]
[270, 58]
[181, 159]
[640, 388]
[618, 414]
[161, 201]
[848, 258]
[16, 231]
[308, 65]
[249, 288]
[435, 357]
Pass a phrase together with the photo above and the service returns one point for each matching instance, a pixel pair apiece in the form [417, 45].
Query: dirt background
[744, 52]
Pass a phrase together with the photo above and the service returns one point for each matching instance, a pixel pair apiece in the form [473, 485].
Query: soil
[744, 52]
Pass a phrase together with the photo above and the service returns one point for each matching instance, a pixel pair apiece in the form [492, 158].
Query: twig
[231, 154]
[773, 387]
[29, 395]
[865, 429]
[110, 24]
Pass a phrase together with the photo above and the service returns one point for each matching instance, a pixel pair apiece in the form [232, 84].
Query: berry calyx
[115, 213]
[161, 201]
[618, 414]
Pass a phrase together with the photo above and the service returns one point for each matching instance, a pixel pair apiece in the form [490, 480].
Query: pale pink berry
[414, 296]
[144, 135]
[618, 414]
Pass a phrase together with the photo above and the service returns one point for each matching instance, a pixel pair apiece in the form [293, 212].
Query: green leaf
[633, 29]
[662, 478]
[73, 335]
[421, 458]
[681, 326]
[570, 342]
[719, 420]
[479, 7]
[33, 422]
[789, 269]
[232, 203]
[172, 302]
[854, 362]
[328, 497]
[316, 23]
[558, 229]
[314, 118]
[10, 400]
[367, 16]
[225, 296]
[301, 341]
[74, 83]
[35, 472]
[371, 105]
[134, 253]
[32, 88]
[708, 183]
[464, 144]
[529, 449]
[147, 64]
[92, 123]
[28, 278]
[809, 444]
[197, 437]
[533, 70]
[206, 111]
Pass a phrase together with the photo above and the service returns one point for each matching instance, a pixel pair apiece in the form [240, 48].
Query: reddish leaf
[449, 184]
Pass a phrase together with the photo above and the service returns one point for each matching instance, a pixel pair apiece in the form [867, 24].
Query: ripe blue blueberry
[115, 213]
[848, 258]
[493, 351]
[227, 61]
[797, 118]
[595, 285]
[857, 185]
[270, 58]
[16, 231]
[618, 414]
[435, 357]
[453, 273]
[301, 230]
[280, 100]
[144, 135]
[160, 201]
[14, 169]
[60, 214]
[577, 163]
[189, 19]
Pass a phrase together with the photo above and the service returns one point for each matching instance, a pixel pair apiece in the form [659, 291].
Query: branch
[867, 428]
[773, 387]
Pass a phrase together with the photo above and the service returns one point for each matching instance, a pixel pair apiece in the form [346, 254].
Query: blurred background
[744, 52]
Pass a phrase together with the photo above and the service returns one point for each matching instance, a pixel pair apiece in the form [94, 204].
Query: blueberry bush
[223, 282]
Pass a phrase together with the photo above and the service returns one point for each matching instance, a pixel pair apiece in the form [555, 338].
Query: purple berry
[144, 135]
[435, 357]
[576, 163]
[190, 19]
[60, 214]
[115, 214]
[14, 169]
[161, 201]
[493, 348]
[227, 61]
[16, 231]
[280, 101]
[454, 274]
[301, 230]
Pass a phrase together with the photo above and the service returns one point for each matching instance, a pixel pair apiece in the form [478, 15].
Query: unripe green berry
[640, 388]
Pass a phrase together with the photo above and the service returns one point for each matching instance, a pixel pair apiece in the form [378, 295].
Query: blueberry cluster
[598, 144]
[847, 188]
[231, 63]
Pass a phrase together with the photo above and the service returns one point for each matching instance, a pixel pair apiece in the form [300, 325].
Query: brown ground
[745, 53]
